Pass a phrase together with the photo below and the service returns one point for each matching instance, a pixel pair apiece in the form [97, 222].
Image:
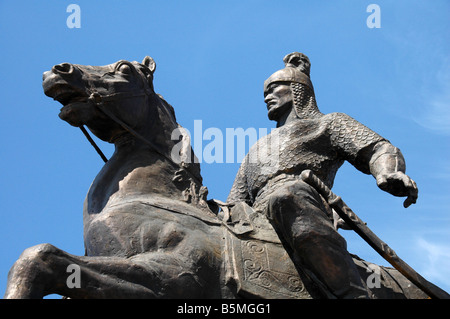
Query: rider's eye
[125, 68]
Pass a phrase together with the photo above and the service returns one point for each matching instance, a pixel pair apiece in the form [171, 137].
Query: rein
[89, 138]
[100, 100]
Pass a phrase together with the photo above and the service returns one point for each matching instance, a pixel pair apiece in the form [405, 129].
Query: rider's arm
[388, 167]
[372, 154]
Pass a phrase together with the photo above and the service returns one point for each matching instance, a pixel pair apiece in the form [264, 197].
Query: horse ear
[150, 63]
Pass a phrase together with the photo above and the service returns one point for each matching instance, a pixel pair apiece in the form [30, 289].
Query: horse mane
[169, 108]
[188, 159]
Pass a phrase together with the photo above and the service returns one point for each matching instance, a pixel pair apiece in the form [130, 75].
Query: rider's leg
[300, 217]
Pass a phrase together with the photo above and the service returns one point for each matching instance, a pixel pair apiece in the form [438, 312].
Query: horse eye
[125, 68]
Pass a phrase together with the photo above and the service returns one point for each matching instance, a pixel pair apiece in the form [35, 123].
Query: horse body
[134, 249]
[123, 221]
[148, 230]
[125, 175]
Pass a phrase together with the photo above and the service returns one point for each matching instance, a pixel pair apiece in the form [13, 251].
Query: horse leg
[43, 270]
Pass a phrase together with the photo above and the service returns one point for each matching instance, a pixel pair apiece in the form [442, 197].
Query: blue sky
[212, 59]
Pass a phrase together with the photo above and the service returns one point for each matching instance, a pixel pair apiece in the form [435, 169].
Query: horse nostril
[63, 68]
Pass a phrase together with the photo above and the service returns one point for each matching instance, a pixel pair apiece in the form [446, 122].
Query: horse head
[122, 88]
[118, 102]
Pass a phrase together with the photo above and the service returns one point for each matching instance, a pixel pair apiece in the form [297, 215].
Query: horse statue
[149, 229]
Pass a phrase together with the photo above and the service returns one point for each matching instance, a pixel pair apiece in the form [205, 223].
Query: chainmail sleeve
[352, 140]
[239, 191]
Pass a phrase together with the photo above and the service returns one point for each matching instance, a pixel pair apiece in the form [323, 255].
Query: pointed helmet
[297, 67]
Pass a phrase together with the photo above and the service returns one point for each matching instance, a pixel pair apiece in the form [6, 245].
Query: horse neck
[157, 128]
[146, 160]
[150, 140]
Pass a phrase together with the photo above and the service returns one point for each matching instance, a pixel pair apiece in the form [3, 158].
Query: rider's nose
[63, 68]
[268, 98]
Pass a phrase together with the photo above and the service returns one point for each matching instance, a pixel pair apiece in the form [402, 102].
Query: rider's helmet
[296, 72]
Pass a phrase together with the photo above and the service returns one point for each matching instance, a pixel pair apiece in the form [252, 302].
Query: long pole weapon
[376, 243]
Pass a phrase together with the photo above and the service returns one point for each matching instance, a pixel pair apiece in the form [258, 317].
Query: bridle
[100, 102]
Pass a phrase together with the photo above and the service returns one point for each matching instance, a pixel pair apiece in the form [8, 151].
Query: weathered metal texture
[151, 232]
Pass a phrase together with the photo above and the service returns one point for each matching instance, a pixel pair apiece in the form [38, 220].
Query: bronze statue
[151, 232]
[310, 140]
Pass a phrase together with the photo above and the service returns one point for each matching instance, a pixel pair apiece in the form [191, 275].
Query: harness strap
[95, 96]
[99, 100]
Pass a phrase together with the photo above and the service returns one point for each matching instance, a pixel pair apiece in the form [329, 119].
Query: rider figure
[309, 139]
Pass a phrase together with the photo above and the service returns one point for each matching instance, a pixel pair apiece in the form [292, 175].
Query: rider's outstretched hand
[399, 184]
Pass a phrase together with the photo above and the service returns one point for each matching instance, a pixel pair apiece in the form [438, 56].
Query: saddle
[260, 267]
[256, 261]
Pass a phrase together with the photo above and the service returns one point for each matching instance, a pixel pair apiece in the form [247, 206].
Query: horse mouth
[66, 95]
[62, 91]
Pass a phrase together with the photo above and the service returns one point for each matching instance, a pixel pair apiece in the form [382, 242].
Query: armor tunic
[321, 143]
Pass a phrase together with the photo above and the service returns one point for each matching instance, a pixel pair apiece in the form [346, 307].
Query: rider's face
[279, 99]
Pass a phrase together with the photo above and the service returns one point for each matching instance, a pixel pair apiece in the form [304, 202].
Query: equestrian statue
[150, 230]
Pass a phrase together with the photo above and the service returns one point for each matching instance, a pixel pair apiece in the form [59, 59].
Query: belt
[261, 197]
